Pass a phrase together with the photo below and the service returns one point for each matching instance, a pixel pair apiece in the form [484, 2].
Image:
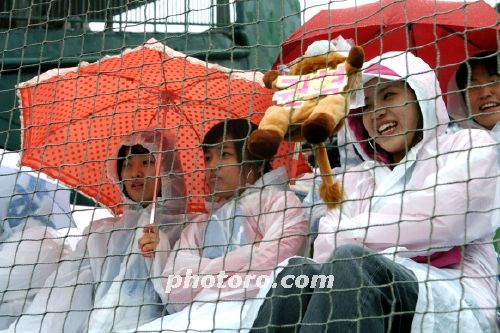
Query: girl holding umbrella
[103, 285]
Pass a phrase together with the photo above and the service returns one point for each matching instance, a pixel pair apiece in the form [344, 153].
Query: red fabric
[71, 123]
[442, 33]
[442, 259]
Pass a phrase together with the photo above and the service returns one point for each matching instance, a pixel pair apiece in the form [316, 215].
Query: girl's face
[390, 115]
[224, 173]
[138, 175]
[484, 96]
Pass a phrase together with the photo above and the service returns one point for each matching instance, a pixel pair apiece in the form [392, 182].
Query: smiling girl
[478, 83]
[474, 100]
[391, 118]
[411, 246]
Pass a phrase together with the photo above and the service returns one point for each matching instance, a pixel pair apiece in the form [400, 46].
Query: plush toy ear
[269, 78]
[353, 66]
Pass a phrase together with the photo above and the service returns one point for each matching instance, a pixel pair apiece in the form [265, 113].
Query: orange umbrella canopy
[73, 119]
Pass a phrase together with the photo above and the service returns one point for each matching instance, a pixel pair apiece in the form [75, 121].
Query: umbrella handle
[157, 177]
[158, 169]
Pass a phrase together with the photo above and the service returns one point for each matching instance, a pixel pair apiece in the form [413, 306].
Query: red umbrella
[72, 119]
[443, 33]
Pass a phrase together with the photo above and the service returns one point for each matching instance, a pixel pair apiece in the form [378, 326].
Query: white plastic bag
[31, 208]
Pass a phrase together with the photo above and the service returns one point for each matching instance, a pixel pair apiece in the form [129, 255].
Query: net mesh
[133, 198]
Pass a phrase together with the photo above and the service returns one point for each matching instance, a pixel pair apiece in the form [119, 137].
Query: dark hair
[237, 131]
[488, 59]
[125, 151]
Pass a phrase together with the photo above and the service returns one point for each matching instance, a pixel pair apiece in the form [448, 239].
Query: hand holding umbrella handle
[149, 241]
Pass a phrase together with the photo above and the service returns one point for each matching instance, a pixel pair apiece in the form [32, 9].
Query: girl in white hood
[425, 198]
[104, 284]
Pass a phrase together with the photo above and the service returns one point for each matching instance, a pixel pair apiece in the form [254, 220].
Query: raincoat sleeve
[456, 205]
[277, 217]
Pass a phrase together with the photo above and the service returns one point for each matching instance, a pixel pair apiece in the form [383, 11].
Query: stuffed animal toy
[311, 104]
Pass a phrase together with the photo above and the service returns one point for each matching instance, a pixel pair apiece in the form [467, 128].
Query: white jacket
[248, 235]
[104, 284]
[443, 194]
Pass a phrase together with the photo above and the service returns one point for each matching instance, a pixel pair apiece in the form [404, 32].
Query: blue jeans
[370, 293]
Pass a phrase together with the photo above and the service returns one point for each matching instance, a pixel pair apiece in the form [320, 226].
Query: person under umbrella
[474, 98]
[253, 224]
[103, 285]
[411, 247]
[474, 94]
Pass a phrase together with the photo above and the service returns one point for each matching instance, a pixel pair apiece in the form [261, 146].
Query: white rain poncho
[442, 195]
[248, 235]
[31, 209]
[104, 284]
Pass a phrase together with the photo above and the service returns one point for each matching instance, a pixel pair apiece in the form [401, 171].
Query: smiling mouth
[489, 105]
[387, 127]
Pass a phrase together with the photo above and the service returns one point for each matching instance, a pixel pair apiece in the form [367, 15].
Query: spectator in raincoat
[103, 285]
[474, 99]
[410, 248]
[254, 222]
[31, 211]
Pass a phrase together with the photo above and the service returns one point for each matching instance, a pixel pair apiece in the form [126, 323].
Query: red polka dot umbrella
[72, 119]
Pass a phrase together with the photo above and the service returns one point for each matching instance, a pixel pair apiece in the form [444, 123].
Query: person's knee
[351, 251]
[303, 266]
[296, 261]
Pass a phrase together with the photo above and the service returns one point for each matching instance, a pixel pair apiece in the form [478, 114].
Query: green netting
[134, 195]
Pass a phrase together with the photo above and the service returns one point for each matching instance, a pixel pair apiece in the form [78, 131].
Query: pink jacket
[443, 194]
[275, 228]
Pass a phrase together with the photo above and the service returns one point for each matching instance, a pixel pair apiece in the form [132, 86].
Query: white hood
[423, 81]
[173, 190]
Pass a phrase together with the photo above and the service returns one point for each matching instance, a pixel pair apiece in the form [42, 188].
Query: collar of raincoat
[422, 79]
[276, 179]
[173, 198]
